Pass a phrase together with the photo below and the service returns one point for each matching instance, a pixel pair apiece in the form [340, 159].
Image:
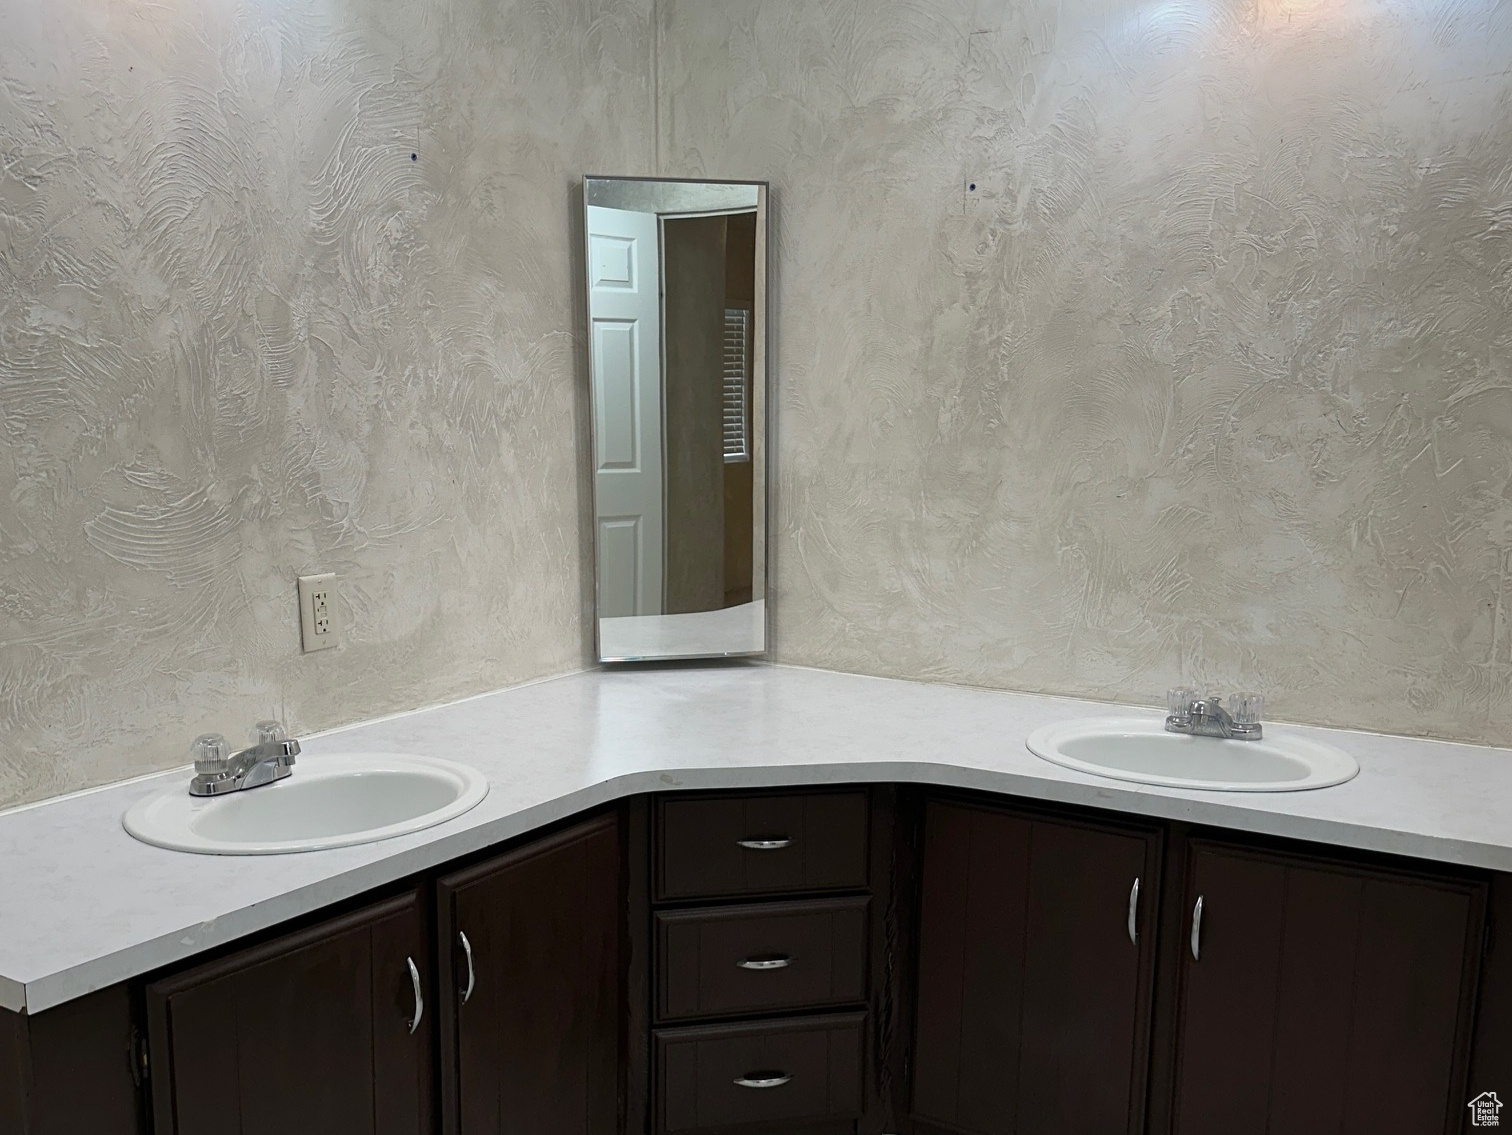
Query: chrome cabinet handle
[1134, 912]
[762, 1080]
[776, 844]
[1197, 930]
[472, 977]
[776, 961]
[419, 1000]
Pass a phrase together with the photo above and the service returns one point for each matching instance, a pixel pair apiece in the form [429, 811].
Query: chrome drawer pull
[775, 844]
[1197, 930]
[472, 977]
[762, 1080]
[419, 1000]
[776, 961]
[1134, 912]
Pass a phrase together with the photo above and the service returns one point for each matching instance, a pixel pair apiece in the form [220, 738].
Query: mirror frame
[762, 431]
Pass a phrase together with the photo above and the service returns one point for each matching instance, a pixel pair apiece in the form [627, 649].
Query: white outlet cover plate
[319, 624]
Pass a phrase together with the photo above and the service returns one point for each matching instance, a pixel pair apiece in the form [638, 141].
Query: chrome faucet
[217, 770]
[1192, 713]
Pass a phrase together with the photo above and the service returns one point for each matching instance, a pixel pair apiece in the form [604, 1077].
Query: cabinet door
[1320, 998]
[45, 1059]
[1491, 1053]
[1035, 965]
[308, 1035]
[531, 1020]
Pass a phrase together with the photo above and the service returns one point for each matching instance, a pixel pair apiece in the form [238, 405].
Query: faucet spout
[1206, 717]
[270, 758]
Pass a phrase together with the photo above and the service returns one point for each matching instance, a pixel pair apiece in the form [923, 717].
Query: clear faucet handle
[269, 732]
[212, 756]
[1246, 708]
[1179, 702]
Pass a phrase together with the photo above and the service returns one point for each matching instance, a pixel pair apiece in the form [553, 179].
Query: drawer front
[711, 1077]
[754, 959]
[722, 846]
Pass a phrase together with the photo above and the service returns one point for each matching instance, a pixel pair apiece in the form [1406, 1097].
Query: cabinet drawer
[721, 846]
[751, 959]
[710, 1078]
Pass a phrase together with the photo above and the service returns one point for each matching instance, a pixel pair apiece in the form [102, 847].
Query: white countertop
[83, 905]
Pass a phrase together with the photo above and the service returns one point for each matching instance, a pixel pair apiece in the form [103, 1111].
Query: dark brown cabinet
[73, 1070]
[823, 961]
[342, 1028]
[322, 1032]
[1491, 1052]
[533, 985]
[1036, 953]
[764, 1007]
[1322, 997]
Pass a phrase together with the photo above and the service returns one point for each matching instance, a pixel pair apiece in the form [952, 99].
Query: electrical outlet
[318, 627]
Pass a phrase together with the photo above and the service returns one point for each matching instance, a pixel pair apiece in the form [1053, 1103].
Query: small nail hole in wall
[972, 187]
[414, 157]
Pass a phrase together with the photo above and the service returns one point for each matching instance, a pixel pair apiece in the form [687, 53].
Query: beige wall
[1210, 379]
[244, 336]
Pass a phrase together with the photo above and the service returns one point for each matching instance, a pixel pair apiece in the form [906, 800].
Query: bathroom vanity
[760, 907]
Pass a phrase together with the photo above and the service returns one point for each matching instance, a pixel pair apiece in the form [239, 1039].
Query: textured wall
[1209, 379]
[243, 335]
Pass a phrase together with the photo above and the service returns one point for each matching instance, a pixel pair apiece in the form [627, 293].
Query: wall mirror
[676, 281]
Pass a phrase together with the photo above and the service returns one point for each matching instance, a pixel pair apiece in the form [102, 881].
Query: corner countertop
[83, 905]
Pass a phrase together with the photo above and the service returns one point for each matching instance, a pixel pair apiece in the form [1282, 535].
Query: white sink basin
[333, 801]
[1140, 749]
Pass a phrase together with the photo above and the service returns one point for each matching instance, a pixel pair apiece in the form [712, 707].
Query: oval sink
[333, 801]
[1136, 748]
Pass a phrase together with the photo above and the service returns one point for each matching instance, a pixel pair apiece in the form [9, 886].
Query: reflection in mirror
[677, 313]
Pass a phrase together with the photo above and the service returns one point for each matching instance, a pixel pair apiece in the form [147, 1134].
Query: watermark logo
[1485, 1110]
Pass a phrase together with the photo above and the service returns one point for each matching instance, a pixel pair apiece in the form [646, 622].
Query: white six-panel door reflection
[624, 299]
